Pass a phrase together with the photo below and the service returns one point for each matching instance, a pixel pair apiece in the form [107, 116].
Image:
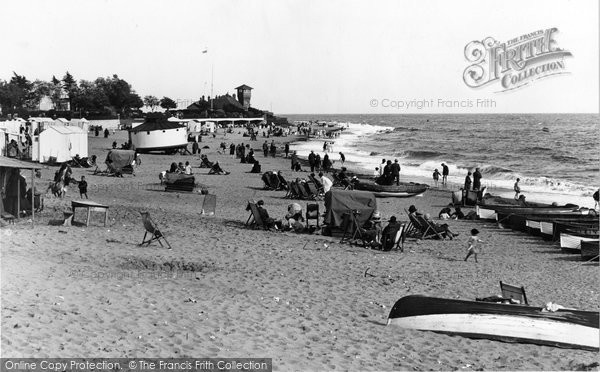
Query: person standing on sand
[294, 161]
[445, 173]
[517, 189]
[342, 158]
[326, 163]
[265, 149]
[477, 179]
[396, 172]
[82, 187]
[383, 162]
[311, 160]
[436, 177]
[473, 244]
[286, 149]
[595, 196]
[468, 181]
[325, 146]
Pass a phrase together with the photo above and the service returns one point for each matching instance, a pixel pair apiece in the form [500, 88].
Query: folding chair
[302, 190]
[294, 192]
[312, 213]
[514, 293]
[428, 229]
[151, 228]
[209, 205]
[399, 238]
[313, 190]
[421, 228]
[255, 220]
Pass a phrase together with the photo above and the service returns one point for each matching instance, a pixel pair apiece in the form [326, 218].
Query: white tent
[81, 123]
[61, 143]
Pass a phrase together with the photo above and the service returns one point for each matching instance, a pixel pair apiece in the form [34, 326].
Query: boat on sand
[404, 190]
[566, 328]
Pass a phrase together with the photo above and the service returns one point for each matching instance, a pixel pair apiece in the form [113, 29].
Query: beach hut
[82, 123]
[209, 126]
[11, 181]
[59, 144]
[158, 134]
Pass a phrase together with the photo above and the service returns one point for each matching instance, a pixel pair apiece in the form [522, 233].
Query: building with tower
[243, 95]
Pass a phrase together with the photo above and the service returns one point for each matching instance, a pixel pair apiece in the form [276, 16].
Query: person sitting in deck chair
[443, 229]
[283, 185]
[293, 219]
[388, 235]
[264, 215]
[371, 230]
[216, 169]
[205, 163]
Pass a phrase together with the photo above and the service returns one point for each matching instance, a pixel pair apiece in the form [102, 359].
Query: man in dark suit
[396, 171]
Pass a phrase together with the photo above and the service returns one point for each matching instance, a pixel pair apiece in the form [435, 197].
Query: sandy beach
[228, 291]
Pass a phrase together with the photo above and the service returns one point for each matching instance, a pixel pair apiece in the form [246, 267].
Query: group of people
[444, 174]
[474, 184]
[293, 219]
[270, 149]
[388, 173]
[315, 162]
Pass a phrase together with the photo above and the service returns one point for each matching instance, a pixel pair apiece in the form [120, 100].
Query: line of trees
[105, 95]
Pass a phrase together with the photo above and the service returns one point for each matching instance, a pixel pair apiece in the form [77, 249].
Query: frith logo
[516, 62]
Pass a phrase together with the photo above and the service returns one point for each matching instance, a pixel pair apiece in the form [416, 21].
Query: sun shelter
[117, 160]
[59, 144]
[8, 168]
[339, 202]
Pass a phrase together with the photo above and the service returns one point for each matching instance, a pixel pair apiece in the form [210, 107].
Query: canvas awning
[15, 163]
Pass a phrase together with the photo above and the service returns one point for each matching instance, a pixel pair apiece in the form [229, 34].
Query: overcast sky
[302, 56]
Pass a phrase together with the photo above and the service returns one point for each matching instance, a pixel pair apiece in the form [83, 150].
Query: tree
[119, 93]
[90, 97]
[167, 103]
[70, 86]
[17, 94]
[151, 101]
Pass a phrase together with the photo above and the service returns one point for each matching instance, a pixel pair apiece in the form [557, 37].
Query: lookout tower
[243, 95]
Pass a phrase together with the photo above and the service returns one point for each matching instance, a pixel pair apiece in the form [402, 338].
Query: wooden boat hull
[510, 323]
[404, 190]
[570, 241]
[590, 250]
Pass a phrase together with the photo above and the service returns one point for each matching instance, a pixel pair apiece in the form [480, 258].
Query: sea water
[556, 156]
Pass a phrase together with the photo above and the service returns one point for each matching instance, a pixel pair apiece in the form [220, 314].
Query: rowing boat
[503, 322]
[403, 190]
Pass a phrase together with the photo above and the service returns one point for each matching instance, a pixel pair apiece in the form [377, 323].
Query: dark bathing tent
[7, 168]
[339, 202]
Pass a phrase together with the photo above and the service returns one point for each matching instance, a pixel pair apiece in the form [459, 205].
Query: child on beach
[436, 177]
[517, 189]
[82, 187]
[473, 244]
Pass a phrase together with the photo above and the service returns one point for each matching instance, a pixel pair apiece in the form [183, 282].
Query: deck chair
[514, 293]
[303, 191]
[283, 184]
[421, 228]
[394, 240]
[209, 205]
[312, 213]
[314, 193]
[255, 220]
[151, 229]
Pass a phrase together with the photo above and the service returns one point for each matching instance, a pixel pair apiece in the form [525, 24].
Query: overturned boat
[404, 190]
[504, 322]
[158, 134]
